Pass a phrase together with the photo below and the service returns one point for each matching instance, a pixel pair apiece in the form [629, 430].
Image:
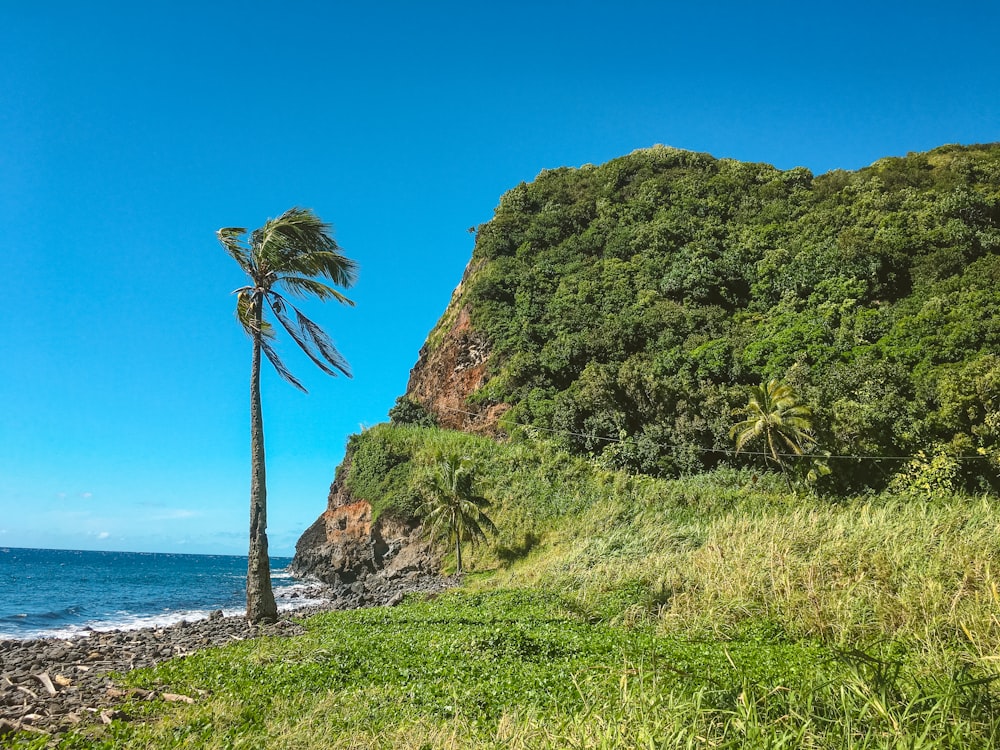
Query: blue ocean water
[60, 592]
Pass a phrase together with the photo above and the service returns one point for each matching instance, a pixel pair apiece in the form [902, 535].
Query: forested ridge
[628, 306]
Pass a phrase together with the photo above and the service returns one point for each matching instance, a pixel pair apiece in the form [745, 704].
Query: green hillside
[716, 553]
[627, 306]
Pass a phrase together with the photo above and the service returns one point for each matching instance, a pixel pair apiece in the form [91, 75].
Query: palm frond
[303, 287]
[277, 305]
[230, 239]
[331, 264]
[299, 241]
[323, 343]
[745, 432]
[244, 310]
[279, 366]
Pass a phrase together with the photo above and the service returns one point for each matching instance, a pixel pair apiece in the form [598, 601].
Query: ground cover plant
[520, 669]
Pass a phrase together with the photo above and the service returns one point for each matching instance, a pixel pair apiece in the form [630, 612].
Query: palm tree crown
[452, 507]
[775, 414]
[286, 254]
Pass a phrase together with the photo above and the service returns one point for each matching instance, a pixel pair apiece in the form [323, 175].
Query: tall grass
[621, 611]
[730, 551]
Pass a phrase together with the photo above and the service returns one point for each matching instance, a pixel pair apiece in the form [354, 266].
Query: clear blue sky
[131, 131]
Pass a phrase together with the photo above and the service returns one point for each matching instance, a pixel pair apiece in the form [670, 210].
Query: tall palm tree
[287, 253]
[775, 414]
[452, 508]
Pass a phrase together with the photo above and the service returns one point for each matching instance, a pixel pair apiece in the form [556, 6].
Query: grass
[522, 669]
[618, 611]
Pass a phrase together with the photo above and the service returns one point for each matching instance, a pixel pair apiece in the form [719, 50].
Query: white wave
[288, 598]
[295, 596]
[123, 621]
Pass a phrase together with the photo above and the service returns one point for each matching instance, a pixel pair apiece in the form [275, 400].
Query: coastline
[49, 685]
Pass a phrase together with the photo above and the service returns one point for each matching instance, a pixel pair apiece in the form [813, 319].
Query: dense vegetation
[615, 610]
[629, 305]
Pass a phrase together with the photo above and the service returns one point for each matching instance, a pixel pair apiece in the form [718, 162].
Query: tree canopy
[629, 305]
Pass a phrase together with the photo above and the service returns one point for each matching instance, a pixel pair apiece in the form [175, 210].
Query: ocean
[60, 593]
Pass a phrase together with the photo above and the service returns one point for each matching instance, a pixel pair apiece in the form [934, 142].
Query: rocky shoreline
[49, 685]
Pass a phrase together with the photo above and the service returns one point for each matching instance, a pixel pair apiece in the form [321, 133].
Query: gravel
[49, 685]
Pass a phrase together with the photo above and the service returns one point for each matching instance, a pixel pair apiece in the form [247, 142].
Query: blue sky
[130, 132]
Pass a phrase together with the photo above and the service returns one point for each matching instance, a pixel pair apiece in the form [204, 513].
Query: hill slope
[621, 311]
[625, 307]
[610, 320]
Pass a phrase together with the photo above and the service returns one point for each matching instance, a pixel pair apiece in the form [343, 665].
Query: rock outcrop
[345, 547]
[452, 365]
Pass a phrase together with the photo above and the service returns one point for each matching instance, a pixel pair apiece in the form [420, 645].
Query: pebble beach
[49, 685]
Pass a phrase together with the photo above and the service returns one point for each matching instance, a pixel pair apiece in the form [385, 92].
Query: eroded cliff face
[452, 365]
[345, 547]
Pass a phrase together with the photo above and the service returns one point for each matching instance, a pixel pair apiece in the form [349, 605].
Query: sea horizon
[15, 547]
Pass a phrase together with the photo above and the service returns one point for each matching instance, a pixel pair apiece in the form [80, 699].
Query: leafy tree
[452, 508]
[408, 411]
[775, 415]
[287, 253]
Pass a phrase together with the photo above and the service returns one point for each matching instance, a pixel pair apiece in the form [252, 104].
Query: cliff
[345, 548]
[451, 366]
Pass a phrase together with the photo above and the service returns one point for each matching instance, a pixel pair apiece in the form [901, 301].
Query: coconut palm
[452, 509]
[773, 413]
[287, 254]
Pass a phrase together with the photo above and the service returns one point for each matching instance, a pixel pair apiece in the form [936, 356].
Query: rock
[344, 547]
[445, 375]
[113, 714]
[176, 698]
[46, 682]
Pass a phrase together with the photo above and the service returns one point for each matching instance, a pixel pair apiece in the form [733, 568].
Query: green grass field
[617, 611]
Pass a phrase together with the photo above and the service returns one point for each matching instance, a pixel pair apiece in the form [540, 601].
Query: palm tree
[287, 253]
[452, 508]
[775, 414]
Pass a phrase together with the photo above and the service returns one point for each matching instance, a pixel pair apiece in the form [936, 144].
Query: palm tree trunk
[260, 598]
[458, 553]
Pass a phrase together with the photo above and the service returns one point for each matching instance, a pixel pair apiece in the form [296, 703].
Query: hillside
[624, 308]
[622, 311]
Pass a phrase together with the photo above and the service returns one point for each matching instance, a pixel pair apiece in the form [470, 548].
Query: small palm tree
[452, 509]
[774, 414]
[287, 253]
